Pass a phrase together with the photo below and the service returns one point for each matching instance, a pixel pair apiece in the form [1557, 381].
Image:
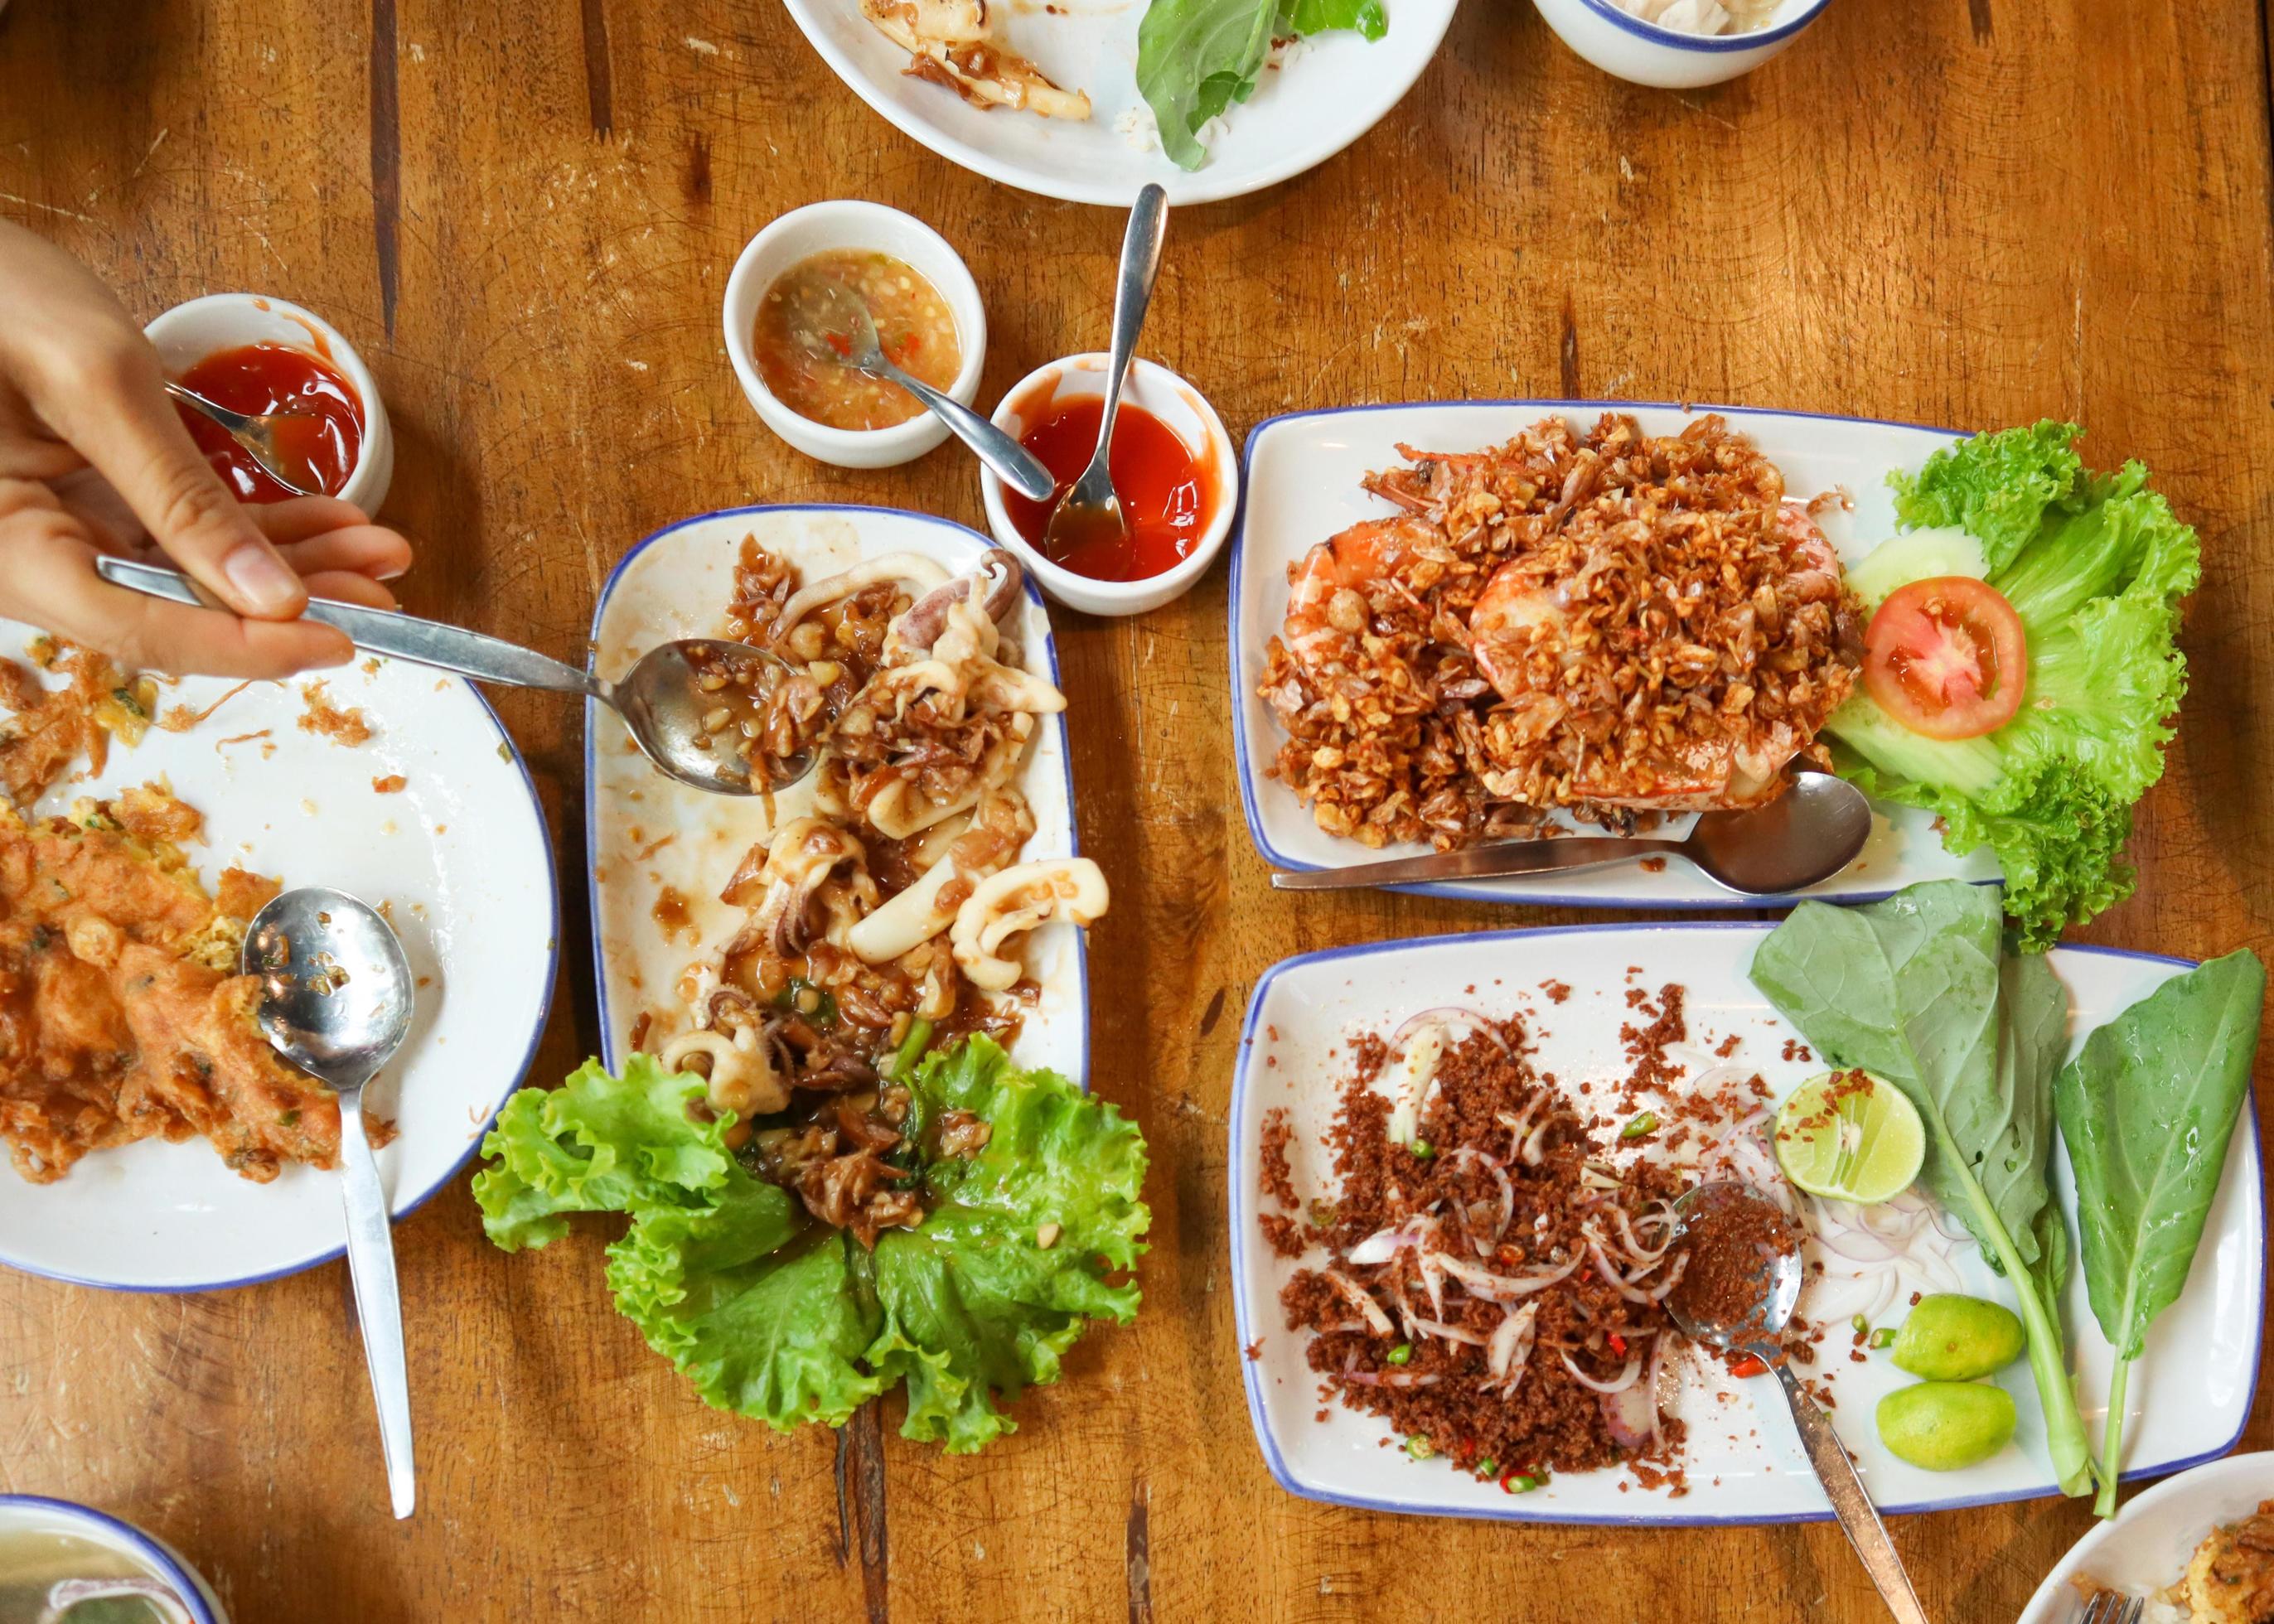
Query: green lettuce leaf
[2096, 567]
[1195, 58]
[1917, 989]
[2147, 1108]
[784, 1320]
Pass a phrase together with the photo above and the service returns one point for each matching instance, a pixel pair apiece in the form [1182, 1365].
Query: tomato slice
[1946, 658]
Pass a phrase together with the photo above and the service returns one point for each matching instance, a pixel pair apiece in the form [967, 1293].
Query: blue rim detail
[473, 1143]
[186, 1584]
[1487, 891]
[1242, 1219]
[1706, 44]
[609, 1042]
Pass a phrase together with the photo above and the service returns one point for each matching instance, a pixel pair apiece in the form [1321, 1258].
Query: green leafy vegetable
[1916, 990]
[2096, 566]
[1195, 58]
[779, 1318]
[2146, 1108]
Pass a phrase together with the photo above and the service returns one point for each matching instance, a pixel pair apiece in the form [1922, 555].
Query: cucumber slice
[1915, 555]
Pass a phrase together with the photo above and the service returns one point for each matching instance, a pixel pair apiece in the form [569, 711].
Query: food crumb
[1556, 991]
[393, 783]
[1653, 865]
[322, 717]
[1254, 1350]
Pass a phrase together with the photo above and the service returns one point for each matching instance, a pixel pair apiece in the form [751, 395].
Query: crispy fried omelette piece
[121, 1015]
[952, 42]
[52, 728]
[2231, 1581]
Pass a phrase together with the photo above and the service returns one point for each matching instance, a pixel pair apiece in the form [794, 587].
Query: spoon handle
[1477, 862]
[1859, 1519]
[1133, 293]
[379, 1304]
[382, 631]
[1012, 463]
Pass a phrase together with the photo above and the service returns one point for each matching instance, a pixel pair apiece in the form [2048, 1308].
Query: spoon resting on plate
[336, 1001]
[1753, 1330]
[679, 703]
[1802, 838]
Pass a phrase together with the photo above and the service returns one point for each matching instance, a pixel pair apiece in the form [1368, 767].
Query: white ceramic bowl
[1625, 47]
[1185, 413]
[152, 1557]
[187, 333]
[817, 228]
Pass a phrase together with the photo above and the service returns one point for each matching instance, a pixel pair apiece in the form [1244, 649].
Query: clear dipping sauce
[1162, 485]
[317, 445]
[33, 1560]
[914, 325]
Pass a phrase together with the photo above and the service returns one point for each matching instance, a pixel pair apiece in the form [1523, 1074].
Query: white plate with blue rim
[648, 835]
[1299, 480]
[2190, 1391]
[459, 857]
[1331, 90]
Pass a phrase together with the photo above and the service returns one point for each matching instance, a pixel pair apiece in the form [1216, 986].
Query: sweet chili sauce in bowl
[318, 433]
[1174, 472]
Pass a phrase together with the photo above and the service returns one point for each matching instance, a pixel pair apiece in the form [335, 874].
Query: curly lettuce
[2096, 566]
[779, 1318]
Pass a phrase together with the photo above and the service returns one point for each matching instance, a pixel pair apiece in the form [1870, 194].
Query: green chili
[1647, 1123]
[1401, 1353]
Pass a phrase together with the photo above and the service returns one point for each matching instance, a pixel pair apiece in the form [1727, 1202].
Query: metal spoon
[1755, 1333]
[660, 699]
[1808, 834]
[336, 1001]
[255, 431]
[837, 315]
[1091, 511]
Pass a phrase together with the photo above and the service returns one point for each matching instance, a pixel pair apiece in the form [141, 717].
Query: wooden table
[1968, 212]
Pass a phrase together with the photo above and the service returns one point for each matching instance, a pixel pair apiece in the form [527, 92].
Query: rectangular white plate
[1300, 478]
[2190, 1394]
[675, 584]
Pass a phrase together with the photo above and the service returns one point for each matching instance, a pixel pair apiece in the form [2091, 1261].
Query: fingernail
[261, 579]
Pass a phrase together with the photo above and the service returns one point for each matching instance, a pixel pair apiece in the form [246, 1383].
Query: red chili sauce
[1164, 489]
[318, 444]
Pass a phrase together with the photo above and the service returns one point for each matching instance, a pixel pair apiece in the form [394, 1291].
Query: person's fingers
[114, 410]
[369, 549]
[347, 586]
[298, 517]
[47, 576]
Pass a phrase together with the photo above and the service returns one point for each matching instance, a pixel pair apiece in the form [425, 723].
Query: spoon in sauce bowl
[684, 704]
[1091, 511]
[280, 442]
[833, 325]
[1743, 1303]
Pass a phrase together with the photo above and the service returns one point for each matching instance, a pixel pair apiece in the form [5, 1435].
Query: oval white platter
[2144, 1548]
[647, 831]
[1337, 89]
[2190, 1393]
[461, 857]
[1301, 479]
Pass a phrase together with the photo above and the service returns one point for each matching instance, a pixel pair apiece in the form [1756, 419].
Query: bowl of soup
[917, 291]
[254, 353]
[55, 1552]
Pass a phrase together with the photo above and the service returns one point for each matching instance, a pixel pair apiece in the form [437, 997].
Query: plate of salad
[1963, 561]
[1089, 100]
[2060, 1289]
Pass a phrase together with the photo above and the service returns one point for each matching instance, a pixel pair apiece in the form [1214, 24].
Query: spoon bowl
[1802, 838]
[270, 439]
[1778, 1279]
[336, 997]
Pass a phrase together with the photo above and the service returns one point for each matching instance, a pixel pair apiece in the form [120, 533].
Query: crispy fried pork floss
[121, 1018]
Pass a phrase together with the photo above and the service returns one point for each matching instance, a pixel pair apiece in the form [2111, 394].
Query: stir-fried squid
[891, 916]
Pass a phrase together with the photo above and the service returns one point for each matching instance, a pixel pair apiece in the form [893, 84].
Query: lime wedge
[1849, 1136]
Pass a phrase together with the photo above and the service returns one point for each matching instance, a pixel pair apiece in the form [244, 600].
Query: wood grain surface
[1960, 212]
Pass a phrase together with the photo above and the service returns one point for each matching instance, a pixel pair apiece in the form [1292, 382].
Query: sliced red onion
[1398, 1379]
[1620, 1384]
[1510, 1347]
[1497, 1288]
[1384, 1244]
[1433, 1277]
[1629, 1415]
[1449, 1015]
[1418, 1064]
[1448, 1333]
[1625, 1286]
[1363, 1301]
[1658, 1293]
[1462, 1158]
[1653, 1381]
[1535, 1140]
[1635, 1250]
[1858, 1246]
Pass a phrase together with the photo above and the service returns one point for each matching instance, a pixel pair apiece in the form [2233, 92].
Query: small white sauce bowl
[37, 1515]
[1182, 411]
[187, 333]
[819, 228]
[1625, 47]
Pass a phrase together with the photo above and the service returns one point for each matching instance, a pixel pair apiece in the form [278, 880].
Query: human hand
[93, 459]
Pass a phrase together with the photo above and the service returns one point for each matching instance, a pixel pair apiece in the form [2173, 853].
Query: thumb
[129, 431]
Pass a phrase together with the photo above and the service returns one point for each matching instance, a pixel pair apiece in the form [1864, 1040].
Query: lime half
[1849, 1136]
